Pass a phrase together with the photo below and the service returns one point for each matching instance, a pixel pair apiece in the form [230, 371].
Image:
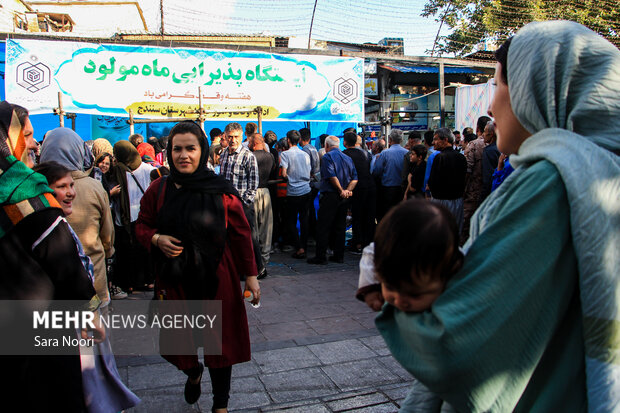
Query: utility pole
[161, 13]
[311, 23]
[443, 18]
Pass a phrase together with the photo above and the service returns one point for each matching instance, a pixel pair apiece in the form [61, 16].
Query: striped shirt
[241, 169]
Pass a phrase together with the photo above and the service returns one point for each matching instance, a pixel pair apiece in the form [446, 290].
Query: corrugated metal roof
[265, 41]
[196, 33]
[431, 69]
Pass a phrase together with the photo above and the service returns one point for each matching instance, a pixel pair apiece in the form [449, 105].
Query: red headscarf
[147, 152]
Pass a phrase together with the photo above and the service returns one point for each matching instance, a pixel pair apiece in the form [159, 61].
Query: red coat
[237, 259]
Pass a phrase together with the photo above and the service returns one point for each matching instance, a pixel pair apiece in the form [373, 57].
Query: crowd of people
[490, 253]
[144, 216]
[110, 220]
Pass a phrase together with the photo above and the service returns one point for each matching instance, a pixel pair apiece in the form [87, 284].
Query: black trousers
[332, 217]
[389, 197]
[249, 214]
[220, 384]
[297, 206]
[132, 268]
[312, 213]
[364, 214]
[278, 206]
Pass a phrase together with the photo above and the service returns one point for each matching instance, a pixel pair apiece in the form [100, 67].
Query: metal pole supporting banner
[384, 106]
[442, 97]
[201, 110]
[60, 111]
[131, 122]
[260, 119]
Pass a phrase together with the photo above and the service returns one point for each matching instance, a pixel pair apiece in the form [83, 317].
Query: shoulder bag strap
[137, 183]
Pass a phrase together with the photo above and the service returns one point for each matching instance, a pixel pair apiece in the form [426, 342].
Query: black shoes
[356, 250]
[287, 248]
[262, 274]
[317, 260]
[323, 261]
[192, 391]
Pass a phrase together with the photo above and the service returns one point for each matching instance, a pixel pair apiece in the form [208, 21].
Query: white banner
[163, 82]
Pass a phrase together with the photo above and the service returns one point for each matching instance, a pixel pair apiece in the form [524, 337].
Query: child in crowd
[159, 172]
[415, 253]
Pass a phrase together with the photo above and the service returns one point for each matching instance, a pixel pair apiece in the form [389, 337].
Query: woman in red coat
[193, 224]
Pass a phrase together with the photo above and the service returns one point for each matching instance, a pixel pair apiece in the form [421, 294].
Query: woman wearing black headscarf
[159, 145]
[193, 223]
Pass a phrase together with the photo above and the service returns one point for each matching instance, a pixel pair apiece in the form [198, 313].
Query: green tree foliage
[474, 22]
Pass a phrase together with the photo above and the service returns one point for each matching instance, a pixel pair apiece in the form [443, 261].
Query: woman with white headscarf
[91, 218]
[531, 322]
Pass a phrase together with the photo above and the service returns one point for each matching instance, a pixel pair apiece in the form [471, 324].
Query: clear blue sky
[354, 21]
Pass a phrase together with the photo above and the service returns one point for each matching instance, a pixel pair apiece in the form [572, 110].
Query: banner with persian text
[157, 82]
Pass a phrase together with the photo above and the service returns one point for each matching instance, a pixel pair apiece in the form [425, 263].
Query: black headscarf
[154, 142]
[127, 160]
[202, 179]
[194, 213]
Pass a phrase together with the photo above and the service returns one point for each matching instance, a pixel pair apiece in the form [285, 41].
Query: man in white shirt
[296, 167]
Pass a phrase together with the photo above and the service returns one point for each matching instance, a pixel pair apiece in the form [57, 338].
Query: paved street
[314, 349]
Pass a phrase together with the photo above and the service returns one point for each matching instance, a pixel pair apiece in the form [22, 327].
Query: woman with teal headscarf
[531, 323]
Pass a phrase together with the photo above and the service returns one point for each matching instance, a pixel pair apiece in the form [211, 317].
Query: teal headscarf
[564, 83]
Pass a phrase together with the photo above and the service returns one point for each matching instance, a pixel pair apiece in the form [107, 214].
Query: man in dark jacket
[364, 195]
[447, 179]
[490, 159]
[263, 217]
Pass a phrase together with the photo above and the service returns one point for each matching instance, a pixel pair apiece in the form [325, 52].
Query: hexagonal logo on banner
[345, 90]
[33, 77]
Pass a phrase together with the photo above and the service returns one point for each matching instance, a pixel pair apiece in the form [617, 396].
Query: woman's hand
[98, 330]
[115, 191]
[374, 300]
[169, 245]
[251, 284]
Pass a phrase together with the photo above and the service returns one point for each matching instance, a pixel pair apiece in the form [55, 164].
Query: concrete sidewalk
[314, 349]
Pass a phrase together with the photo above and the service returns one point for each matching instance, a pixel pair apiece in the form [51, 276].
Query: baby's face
[413, 298]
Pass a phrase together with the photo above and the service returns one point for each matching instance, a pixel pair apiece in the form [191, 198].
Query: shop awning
[430, 69]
